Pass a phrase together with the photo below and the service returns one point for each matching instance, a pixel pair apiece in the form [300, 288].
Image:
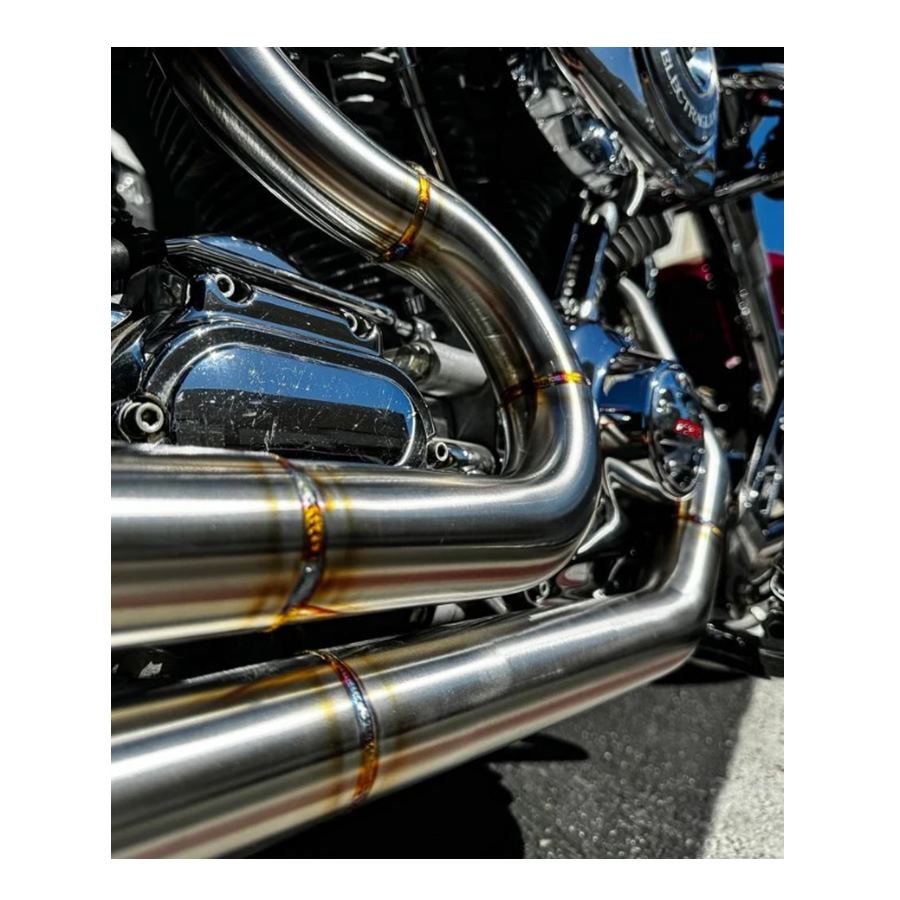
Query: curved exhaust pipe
[205, 546]
[223, 762]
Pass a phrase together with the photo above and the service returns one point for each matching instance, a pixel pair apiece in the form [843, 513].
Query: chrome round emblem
[682, 86]
[700, 64]
[675, 429]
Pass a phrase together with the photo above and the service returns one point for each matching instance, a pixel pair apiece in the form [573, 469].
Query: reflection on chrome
[388, 518]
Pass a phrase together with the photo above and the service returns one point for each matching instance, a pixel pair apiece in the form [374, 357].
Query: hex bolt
[149, 417]
[438, 453]
[225, 284]
[142, 419]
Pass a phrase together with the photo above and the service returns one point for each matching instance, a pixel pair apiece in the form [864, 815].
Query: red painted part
[689, 428]
[700, 271]
[776, 283]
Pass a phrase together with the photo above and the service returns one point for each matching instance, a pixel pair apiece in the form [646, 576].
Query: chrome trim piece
[741, 188]
[470, 458]
[757, 76]
[264, 269]
[667, 121]
[640, 307]
[751, 145]
[260, 371]
[620, 475]
[439, 369]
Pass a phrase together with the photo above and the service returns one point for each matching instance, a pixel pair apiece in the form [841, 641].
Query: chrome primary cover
[646, 407]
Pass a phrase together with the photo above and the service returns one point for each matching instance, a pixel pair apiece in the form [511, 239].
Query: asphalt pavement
[690, 766]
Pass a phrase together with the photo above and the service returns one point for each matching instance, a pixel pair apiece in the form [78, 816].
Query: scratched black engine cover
[268, 372]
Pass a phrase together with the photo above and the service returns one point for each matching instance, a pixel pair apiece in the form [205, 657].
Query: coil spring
[635, 240]
[363, 84]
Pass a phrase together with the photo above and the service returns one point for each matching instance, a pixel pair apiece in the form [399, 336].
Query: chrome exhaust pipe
[204, 545]
[224, 762]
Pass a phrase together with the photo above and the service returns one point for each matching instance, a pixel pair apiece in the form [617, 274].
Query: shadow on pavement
[461, 814]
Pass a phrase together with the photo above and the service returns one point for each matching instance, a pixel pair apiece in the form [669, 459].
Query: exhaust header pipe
[227, 761]
[204, 546]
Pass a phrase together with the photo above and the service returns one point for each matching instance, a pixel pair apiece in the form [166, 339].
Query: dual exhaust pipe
[208, 543]
[222, 763]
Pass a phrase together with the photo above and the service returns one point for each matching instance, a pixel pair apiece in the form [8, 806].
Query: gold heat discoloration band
[403, 245]
[699, 520]
[297, 603]
[540, 383]
[365, 722]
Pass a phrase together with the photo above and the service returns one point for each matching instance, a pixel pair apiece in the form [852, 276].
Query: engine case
[261, 371]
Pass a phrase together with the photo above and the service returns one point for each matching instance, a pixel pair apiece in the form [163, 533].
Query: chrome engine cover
[238, 366]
